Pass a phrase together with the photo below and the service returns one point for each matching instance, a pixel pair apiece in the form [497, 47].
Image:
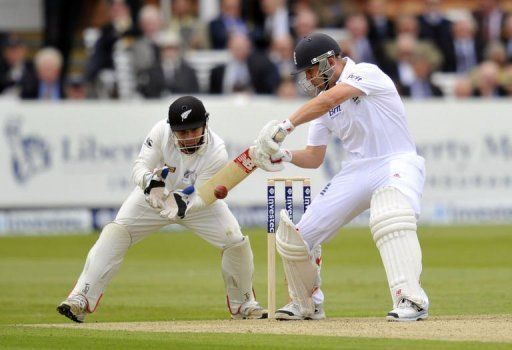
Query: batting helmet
[312, 49]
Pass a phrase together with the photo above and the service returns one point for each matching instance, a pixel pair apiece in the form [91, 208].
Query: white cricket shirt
[159, 150]
[371, 125]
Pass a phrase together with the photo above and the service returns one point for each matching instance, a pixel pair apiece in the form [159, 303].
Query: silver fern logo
[185, 114]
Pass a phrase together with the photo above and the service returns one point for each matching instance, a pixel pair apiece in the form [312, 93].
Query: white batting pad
[102, 263]
[237, 271]
[393, 226]
[301, 273]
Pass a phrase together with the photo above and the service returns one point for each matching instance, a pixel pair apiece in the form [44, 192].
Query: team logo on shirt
[149, 142]
[355, 77]
[356, 100]
[334, 112]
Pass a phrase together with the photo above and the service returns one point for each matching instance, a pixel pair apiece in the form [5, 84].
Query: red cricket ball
[220, 192]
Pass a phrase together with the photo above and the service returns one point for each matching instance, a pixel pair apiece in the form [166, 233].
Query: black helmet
[312, 49]
[187, 112]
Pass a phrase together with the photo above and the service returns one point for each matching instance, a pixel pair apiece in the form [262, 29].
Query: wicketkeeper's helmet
[187, 112]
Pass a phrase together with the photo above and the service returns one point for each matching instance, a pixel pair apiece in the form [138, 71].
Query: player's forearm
[322, 103]
[306, 159]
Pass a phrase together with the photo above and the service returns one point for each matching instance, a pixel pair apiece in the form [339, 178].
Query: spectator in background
[171, 74]
[17, 73]
[276, 23]
[495, 52]
[507, 80]
[435, 27]
[229, 21]
[407, 24]
[247, 71]
[61, 20]
[487, 83]
[466, 51]
[281, 54]
[361, 49]
[119, 26]
[381, 28]
[463, 88]
[507, 37]
[48, 63]
[305, 22]
[425, 59]
[489, 19]
[145, 50]
[400, 70]
[330, 13]
[185, 24]
[75, 88]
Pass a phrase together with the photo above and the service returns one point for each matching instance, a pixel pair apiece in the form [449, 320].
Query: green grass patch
[467, 271]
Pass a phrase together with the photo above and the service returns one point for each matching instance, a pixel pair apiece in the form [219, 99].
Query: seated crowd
[472, 50]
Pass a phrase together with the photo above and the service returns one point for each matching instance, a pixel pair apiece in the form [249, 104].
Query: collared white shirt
[371, 125]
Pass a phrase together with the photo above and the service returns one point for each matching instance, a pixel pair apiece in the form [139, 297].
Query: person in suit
[145, 49]
[119, 26]
[435, 27]
[48, 62]
[490, 19]
[466, 50]
[229, 21]
[380, 27]
[424, 61]
[247, 70]
[507, 37]
[17, 73]
[171, 74]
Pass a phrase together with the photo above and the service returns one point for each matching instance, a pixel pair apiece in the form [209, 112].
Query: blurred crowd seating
[430, 48]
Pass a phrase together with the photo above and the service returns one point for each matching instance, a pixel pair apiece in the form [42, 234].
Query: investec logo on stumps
[271, 210]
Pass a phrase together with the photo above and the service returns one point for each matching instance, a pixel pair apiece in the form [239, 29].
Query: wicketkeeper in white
[360, 105]
[179, 153]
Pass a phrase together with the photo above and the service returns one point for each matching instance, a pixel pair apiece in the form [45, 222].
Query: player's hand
[269, 163]
[272, 135]
[155, 191]
[180, 203]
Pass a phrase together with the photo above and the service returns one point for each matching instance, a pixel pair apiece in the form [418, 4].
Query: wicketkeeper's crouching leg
[237, 271]
[393, 225]
[103, 262]
[302, 270]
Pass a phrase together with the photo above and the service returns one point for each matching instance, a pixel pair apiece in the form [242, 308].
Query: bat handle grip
[279, 136]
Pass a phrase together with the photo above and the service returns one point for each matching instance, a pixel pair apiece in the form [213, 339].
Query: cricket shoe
[291, 311]
[74, 308]
[407, 311]
[250, 310]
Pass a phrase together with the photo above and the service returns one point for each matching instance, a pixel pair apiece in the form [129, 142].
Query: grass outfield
[467, 271]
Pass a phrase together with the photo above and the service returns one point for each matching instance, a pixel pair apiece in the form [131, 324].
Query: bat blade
[231, 175]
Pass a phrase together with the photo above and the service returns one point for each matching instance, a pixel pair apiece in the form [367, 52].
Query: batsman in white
[178, 153]
[360, 105]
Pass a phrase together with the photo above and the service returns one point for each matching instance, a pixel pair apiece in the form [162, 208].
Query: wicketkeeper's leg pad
[302, 273]
[393, 226]
[237, 271]
[102, 263]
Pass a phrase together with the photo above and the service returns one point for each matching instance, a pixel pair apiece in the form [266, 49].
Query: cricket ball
[220, 192]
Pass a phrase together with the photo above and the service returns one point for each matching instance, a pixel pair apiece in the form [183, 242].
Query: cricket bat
[229, 176]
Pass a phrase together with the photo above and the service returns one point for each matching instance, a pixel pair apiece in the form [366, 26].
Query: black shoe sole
[65, 310]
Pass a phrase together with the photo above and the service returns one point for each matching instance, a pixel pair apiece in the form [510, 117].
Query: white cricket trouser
[349, 193]
[215, 224]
